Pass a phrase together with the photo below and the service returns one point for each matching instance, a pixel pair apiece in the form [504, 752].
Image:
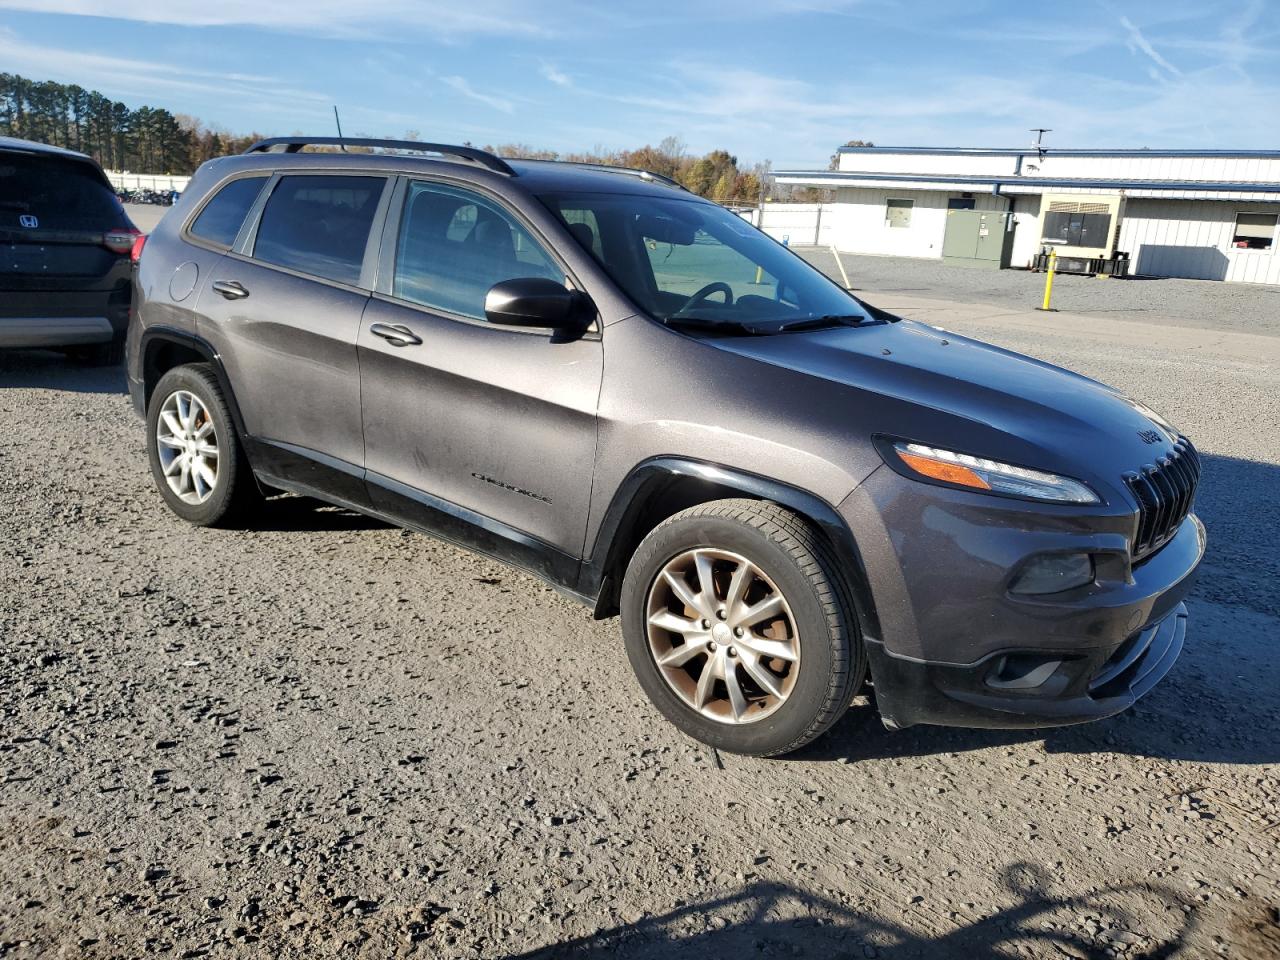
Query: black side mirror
[533, 302]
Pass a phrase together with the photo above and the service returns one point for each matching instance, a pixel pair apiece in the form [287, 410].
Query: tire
[228, 500]
[785, 556]
[100, 354]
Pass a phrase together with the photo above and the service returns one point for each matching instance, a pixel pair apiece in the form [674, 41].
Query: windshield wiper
[731, 327]
[829, 320]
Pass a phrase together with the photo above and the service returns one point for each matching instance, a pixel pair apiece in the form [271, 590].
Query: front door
[481, 433]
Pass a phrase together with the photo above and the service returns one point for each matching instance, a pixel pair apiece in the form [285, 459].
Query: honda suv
[635, 395]
[65, 245]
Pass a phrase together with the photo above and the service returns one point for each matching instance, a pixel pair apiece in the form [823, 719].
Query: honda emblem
[28, 221]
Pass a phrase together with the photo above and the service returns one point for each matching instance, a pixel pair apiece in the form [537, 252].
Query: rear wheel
[196, 458]
[740, 628]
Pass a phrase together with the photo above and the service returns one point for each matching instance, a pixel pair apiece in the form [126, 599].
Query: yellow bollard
[1048, 283]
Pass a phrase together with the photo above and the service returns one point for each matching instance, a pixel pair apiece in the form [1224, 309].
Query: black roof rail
[610, 168]
[470, 154]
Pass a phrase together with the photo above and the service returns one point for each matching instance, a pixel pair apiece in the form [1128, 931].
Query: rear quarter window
[319, 225]
[222, 217]
[61, 194]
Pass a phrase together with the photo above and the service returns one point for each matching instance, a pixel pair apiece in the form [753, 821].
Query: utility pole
[1040, 132]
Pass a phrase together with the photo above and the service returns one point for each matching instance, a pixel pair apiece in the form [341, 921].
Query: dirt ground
[329, 736]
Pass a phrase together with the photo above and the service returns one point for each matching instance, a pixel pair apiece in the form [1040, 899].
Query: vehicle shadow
[776, 919]
[1221, 701]
[287, 513]
[45, 369]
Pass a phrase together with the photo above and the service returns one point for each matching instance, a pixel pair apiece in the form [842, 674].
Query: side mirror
[532, 302]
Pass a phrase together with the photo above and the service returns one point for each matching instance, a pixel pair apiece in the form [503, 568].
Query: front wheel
[740, 628]
[196, 458]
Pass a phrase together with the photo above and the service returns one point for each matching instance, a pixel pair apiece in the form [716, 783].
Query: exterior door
[284, 314]
[470, 426]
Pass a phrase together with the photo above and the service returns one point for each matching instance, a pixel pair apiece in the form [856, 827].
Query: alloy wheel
[188, 447]
[723, 635]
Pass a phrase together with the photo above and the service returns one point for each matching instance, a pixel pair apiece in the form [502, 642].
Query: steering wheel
[718, 286]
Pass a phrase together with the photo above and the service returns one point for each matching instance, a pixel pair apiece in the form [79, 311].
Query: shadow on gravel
[55, 371]
[1220, 703]
[770, 918]
[290, 514]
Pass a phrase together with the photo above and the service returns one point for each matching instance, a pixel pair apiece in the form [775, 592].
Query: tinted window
[688, 260]
[60, 194]
[319, 225]
[455, 245]
[220, 220]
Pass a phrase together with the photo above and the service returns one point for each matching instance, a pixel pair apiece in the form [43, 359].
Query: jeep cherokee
[635, 395]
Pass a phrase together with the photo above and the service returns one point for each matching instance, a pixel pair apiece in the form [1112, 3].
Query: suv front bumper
[957, 648]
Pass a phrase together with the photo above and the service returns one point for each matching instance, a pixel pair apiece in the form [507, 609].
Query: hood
[1045, 416]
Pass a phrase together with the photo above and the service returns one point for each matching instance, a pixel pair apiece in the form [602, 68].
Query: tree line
[141, 140]
[153, 140]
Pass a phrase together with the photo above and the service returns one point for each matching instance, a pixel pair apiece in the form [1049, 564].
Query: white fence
[160, 182]
[796, 224]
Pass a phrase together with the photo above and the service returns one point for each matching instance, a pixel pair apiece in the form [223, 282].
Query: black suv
[632, 393]
[65, 246]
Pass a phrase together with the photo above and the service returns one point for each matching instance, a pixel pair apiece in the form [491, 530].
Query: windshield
[699, 265]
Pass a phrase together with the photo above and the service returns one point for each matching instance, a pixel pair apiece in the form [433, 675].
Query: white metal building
[1203, 214]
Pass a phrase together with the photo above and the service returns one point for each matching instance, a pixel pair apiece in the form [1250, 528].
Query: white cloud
[150, 79]
[1138, 42]
[464, 88]
[553, 73]
[324, 17]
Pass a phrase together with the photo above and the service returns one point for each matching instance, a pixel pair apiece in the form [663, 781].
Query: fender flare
[626, 510]
[197, 344]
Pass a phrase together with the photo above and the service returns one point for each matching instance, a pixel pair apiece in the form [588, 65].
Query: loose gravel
[327, 736]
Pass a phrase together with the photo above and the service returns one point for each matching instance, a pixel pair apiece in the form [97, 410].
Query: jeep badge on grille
[1149, 436]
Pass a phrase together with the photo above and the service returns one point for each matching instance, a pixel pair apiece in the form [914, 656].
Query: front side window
[222, 217]
[688, 261]
[454, 245]
[319, 225]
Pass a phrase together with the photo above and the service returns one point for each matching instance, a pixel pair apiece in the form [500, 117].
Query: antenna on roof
[337, 121]
[1039, 132]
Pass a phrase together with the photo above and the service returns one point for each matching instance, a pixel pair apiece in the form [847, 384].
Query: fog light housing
[1053, 573]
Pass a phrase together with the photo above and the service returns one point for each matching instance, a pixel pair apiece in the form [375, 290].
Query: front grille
[1165, 491]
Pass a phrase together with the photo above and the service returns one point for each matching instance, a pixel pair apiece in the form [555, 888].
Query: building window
[897, 213]
[961, 203]
[1254, 231]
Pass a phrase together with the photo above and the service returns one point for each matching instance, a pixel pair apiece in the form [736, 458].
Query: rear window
[319, 225]
[221, 218]
[61, 194]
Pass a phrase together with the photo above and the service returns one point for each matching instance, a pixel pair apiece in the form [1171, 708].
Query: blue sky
[785, 81]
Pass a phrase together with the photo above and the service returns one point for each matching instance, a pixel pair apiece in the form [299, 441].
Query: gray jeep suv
[633, 394]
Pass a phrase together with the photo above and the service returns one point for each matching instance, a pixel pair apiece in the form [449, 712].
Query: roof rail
[610, 168]
[470, 154]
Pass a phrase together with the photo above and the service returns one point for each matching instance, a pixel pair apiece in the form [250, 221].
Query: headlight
[978, 473]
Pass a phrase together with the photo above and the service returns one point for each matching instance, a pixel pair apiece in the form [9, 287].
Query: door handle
[230, 289]
[395, 334]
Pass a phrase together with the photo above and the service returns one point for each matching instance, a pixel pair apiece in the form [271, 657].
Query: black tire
[802, 565]
[100, 354]
[234, 492]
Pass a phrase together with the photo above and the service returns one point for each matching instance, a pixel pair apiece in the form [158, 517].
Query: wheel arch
[663, 486]
[163, 348]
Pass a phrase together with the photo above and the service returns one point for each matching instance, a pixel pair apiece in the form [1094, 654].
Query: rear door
[55, 213]
[283, 310]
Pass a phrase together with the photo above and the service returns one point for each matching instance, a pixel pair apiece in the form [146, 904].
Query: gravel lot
[1243, 307]
[328, 736]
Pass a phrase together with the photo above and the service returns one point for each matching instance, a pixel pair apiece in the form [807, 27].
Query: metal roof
[1196, 186]
[1063, 152]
